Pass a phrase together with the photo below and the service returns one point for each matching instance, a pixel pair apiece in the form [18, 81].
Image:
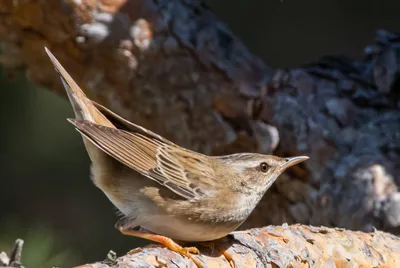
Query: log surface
[279, 246]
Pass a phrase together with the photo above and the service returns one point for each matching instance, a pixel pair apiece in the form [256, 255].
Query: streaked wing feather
[126, 125]
[183, 172]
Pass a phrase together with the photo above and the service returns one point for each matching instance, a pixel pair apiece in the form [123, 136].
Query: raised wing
[124, 124]
[182, 171]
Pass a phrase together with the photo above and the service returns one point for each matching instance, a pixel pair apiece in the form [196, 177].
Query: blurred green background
[46, 193]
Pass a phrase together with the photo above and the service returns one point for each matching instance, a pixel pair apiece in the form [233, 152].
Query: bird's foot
[222, 250]
[166, 242]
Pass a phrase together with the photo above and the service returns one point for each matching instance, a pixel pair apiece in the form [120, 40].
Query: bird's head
[255, 173]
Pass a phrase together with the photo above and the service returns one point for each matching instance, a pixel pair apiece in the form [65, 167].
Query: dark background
[46, 193]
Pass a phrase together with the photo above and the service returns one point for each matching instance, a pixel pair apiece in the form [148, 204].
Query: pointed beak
[291, 161]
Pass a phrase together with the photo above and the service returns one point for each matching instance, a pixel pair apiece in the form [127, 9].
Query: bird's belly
[182, 229]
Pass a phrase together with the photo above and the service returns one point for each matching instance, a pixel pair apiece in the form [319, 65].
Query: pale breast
[182, 229]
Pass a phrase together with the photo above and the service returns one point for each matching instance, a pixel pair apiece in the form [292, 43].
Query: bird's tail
[85, 110]
[83, 107]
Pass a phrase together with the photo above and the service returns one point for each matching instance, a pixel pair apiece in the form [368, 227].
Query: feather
[182, 171]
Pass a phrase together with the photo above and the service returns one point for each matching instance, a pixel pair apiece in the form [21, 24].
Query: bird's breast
[187, 229]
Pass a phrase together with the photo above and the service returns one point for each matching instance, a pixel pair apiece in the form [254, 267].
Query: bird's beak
[291, 161]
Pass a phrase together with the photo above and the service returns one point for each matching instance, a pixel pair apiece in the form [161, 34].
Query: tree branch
[280, 246]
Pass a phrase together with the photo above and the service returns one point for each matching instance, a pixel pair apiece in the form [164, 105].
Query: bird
[171, 193]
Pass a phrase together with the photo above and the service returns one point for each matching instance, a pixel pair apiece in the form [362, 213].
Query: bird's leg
[227, 256]
[222, 250]
[165, 241]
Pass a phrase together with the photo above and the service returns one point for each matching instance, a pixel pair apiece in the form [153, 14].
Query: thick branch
[172, 67]
[280, 246]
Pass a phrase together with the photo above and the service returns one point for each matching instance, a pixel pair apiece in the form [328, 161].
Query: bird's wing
[124, 124]
[182, 171]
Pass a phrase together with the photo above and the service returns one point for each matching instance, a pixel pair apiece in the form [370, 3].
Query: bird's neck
[238, 208]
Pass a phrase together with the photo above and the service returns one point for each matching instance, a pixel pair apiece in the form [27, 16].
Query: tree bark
[278, 246]
[172, 67]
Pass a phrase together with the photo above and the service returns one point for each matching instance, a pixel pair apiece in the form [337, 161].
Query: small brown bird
[181, 195]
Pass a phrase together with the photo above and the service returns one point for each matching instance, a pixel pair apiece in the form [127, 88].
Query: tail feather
[85, 110]
[83, 107]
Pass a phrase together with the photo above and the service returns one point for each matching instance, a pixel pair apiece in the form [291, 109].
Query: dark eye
[264, 167]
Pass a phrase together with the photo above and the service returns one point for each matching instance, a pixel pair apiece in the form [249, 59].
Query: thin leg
[223, 251]
[227, 256]
[165, 241]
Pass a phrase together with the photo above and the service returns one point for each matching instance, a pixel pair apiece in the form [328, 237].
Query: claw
[166, 242]
[223, 251]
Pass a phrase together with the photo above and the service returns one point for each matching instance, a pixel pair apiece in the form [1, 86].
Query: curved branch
[280, 246]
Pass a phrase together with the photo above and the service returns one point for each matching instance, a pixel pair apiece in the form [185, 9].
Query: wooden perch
[172, 67]
[280, 246]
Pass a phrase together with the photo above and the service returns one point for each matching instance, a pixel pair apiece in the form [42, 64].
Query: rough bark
[279, 246]
[172, 67]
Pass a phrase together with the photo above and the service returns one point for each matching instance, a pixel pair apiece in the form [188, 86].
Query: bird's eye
[264, 167]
